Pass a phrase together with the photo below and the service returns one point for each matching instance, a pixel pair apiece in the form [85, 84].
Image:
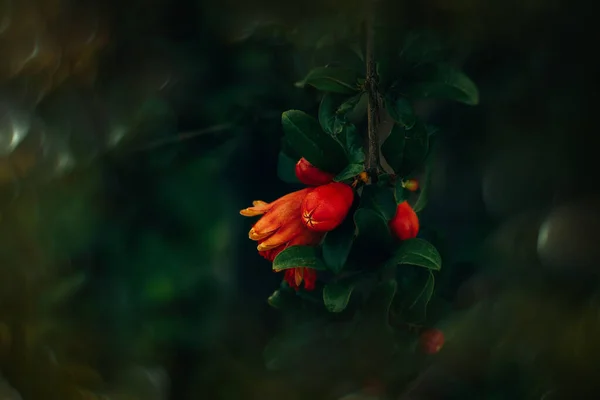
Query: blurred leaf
[400, 193]
[405, 150]
[332, 79]
[307, 138]
[445, 82]
[63, 290]
[372, 227]
[336, 295]
[349, 172]
[380, 199]
[377, 307]
[417, 287]
[286, 168]
[298, 256]
[282, 299]
[401, 110]
[418, 252]
[425, 186]
[421, 47]
[337, 245]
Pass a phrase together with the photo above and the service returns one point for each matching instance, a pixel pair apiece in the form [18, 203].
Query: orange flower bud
[311, 175]
[295, 276]
[405, 224]
[431, 341]
[326, 207]
[411, 185]
[281, 225]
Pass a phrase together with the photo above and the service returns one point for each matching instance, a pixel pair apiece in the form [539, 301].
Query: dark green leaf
[399, 192]
[380, 199]
[425, 186]
[372, 227]
[421, 48]
[445, 82]
[418, 252]
[353, 143]
[282, 299]
[328, 118]
[307, 138]
[337, 295]
[393, 147]
[405, 150]
[377, 306]
[332, 79]
[350, 171]
[286, 168]
[337, 245]
[354, 109]
[384, 179]
[298, 256]
[417, 311]
[415, 292]
[337, 110]
[401, 110]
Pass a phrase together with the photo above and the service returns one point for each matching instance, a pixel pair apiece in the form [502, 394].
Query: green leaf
[416, 288]
[328, 118]
[425, 186]
[337, 295]
[377, 307]
[353, 144]
[298, 256]
[354, 109]
[401, 110]
[372, 227]
[445, 82]
[350, 171]
[337, 245]
[405, 150]
[282, 299]
[400, 193]
[332, 79]
[421, 47]
[336, 110]
[380, 199]
[420, 253]
[286, 168]
[307, 139]
[393, 147]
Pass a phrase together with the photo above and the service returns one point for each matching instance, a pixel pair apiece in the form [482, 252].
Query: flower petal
[259, 208]
[283, 235]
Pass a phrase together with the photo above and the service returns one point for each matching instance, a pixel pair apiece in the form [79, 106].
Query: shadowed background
[132, 133]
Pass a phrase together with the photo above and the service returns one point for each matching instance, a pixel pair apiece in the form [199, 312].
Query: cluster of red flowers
[302, 218]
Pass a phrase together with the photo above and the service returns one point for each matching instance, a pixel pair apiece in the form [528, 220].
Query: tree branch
[374, 105]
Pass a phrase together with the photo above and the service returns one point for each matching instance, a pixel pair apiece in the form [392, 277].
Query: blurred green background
[132, 132]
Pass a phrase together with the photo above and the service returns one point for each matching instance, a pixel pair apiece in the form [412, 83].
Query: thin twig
[371, 86]
[184, 136]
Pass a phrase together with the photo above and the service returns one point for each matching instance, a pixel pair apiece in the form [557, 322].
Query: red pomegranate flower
[405, 224]
[326, 207]
[281, 226]
[311, 175]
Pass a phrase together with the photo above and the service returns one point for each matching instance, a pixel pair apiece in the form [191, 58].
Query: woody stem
[374, 97]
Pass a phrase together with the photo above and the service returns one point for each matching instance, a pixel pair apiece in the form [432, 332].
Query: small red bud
[411, 185]
[405, 224]
[431, 341]
[311, 175]
[326, 207]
